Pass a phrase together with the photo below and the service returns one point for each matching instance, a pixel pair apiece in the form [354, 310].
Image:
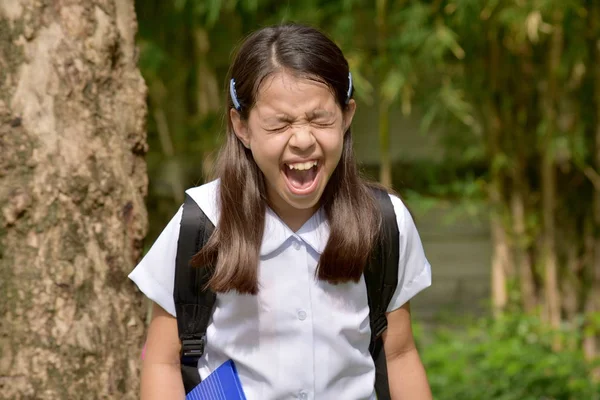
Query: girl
[294, 228]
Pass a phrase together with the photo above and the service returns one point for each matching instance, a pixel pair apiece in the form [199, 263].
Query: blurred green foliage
[509, 358]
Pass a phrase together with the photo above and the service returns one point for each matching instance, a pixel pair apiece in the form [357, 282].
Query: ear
[240, 127]
[349, 111]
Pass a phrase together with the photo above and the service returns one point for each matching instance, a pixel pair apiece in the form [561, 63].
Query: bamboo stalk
[592, 306]
[521, 250]
[385, 172]
[521, 188]
[500, 246]
[548, 175]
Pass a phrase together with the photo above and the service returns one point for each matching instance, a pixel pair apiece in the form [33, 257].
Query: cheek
[332, 144]
[267, 153]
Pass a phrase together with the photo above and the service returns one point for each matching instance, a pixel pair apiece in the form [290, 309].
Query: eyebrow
[320, 113]
[280, 118]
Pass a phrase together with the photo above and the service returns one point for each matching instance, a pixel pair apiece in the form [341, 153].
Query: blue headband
[350, 88]
[233, 95]
[238, 106]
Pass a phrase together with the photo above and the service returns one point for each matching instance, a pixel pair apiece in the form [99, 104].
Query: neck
[294, 218]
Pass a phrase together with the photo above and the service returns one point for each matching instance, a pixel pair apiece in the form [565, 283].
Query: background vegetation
[511, 91]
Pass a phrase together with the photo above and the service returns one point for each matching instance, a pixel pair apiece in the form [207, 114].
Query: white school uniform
[299, 338]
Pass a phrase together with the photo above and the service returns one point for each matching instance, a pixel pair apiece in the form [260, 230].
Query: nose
[302, 139]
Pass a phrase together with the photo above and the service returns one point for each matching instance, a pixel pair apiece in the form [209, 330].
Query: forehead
[286, 93]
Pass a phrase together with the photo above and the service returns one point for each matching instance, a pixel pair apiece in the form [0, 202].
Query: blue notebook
[222, 384]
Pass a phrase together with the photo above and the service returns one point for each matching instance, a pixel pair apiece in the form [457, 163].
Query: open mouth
[302, 178]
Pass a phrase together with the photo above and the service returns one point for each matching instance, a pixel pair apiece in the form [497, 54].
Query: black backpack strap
[381, 277]
[193, 304]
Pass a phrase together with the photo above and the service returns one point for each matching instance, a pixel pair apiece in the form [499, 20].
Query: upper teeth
[302, 166]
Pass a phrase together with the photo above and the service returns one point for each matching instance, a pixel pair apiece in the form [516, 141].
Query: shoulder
[384, 197]
[402, 214]
[414, 270]
[207, 196]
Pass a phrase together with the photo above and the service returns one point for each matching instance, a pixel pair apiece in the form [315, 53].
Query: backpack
[194, 305]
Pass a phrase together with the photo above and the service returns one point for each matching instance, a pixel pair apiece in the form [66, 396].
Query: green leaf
[391, 85]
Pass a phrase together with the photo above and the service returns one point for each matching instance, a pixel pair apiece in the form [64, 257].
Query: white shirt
[299, 337]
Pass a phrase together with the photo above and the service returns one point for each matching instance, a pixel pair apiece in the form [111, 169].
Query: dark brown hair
[350, 208]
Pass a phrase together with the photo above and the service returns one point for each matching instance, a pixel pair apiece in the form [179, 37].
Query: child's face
[296, 133]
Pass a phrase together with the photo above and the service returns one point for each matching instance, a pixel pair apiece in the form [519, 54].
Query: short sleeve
[155, 274]
[414, 271]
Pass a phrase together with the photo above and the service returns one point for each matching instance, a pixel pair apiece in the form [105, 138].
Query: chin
[304, 205]
[303, 202]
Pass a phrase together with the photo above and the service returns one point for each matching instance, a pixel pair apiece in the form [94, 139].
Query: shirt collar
[315, 232]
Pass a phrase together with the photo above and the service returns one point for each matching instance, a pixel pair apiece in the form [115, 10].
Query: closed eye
[322, 124]
[276, 129]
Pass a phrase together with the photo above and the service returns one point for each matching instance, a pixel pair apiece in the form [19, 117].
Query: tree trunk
[548, 175]
[521, 147]
[521, 247]
[592, 306]
[385, 164]
[501, 255]
[385, 172]
[72, 187]
[570, 285]
[500, 245]
[207, 90]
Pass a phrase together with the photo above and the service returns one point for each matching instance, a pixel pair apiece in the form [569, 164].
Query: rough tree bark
[72, 187]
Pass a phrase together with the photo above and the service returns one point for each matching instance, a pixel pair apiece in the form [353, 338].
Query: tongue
[301, 179]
